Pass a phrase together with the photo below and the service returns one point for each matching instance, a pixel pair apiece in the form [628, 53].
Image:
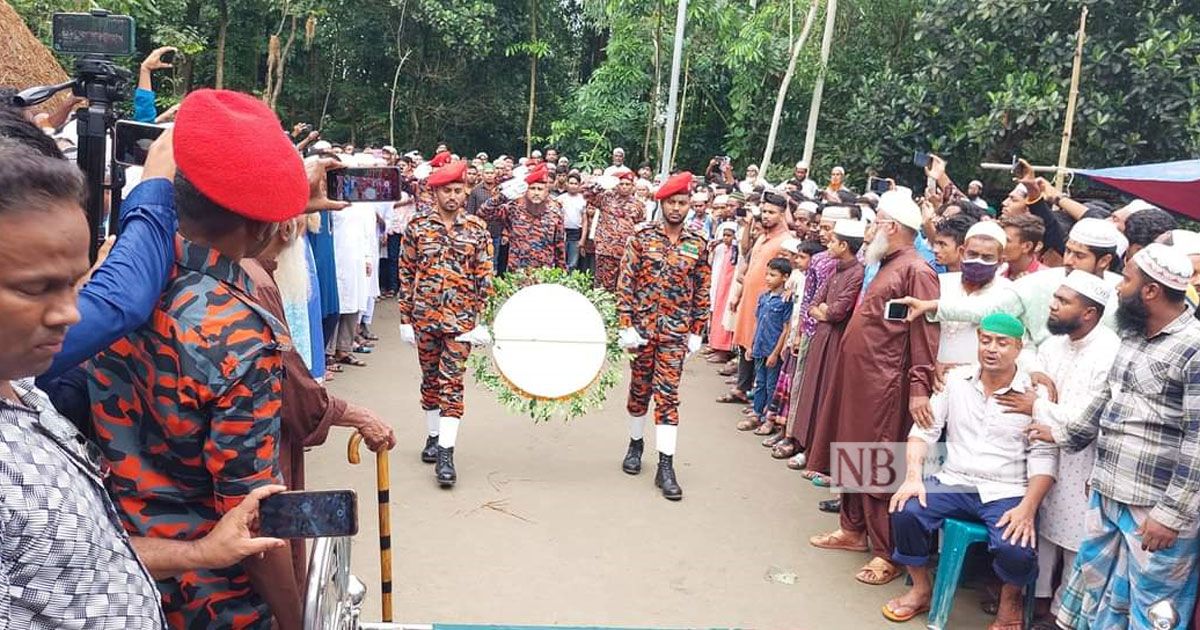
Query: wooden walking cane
[382, 483]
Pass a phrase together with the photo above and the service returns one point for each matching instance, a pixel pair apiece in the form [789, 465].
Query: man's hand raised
[318, 194]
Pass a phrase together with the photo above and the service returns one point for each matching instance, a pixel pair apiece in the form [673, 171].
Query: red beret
[440, 159]
[677, 184]
[232, 148]
[626, 174]
[537, 175]
[452, 172]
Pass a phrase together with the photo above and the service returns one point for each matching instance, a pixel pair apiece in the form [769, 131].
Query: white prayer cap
[899, 205]
[387, 148]
[1136, 205]
[990, 229]
[850, 228]
[802, 164]
[618, 151]
[835, 213]
[522, 161]
[1186, 241]
[1094, 232]
[700, 196]
[791, 245]
[975, 182]
[720, 200]
[1089, 285]
[728, 225]
[536, 154]
[868, 214]
[481, 156]
[838, 169]
[321, 145]
[809, 206]
[1165, 264]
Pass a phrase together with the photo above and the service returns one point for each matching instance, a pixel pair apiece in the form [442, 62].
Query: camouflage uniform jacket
[618, 218]
[663, 290]
[534, 239]
[445, 272]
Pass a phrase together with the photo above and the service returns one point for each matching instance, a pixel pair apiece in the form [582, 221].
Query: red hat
[537, 175]
[677, 184]
[626, 174]
[452, 172]
[261, 178]
[440, 159]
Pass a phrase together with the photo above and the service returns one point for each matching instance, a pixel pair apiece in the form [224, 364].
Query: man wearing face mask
[534, 222]
[978, 259]
[187, 407]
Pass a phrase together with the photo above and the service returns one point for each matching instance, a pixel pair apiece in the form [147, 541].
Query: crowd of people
[151, 400]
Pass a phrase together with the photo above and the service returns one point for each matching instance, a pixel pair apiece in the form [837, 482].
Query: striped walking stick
[383, 483]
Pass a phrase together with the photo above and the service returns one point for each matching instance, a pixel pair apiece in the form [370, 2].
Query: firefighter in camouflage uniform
[663, 306]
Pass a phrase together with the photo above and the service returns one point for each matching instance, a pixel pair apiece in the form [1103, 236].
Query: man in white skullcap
[1077, 358]
[979, 259]
[1091, 247]
[618, 162]
[1144, 510]
[800, 180]
[1187, 242]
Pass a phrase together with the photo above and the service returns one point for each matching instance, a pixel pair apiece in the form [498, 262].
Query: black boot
[633, 457]
[665, 478]
[429, 453]
[445, 467]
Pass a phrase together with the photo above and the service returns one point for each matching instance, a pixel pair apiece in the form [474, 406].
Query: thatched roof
[24, 60]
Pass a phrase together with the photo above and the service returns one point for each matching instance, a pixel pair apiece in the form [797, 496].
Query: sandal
[350, 359]
[878, 572]
[891, 612]
[822, 481]
[364, 349]
[773, 440]
[370, 336]
[767, 428]
[837, 541]
[785, 448]
[334, 367]
[830, 506]
[748, 424]
[797, 461]
[734, 398]
[810, 474]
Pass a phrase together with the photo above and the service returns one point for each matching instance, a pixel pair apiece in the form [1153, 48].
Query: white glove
[477, 336]
[629, 339]
[408, 335]
[693, 345]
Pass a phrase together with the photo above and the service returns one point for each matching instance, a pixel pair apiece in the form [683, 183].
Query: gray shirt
[65, 559]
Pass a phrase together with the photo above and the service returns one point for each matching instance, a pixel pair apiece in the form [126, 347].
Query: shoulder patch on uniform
[476, 221]
[645, 225]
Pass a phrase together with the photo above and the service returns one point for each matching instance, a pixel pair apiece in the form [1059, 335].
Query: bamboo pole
[814, 110]
[797, 45]
[673, 95]
[1072, 99]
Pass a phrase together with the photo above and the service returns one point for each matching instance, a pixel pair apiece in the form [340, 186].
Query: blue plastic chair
[957, 536]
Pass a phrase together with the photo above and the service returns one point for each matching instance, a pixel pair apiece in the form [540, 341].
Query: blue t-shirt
[772, 314]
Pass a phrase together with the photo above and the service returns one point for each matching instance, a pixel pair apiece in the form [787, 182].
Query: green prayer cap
[738, 195]
[1003, 324]
[488, 167]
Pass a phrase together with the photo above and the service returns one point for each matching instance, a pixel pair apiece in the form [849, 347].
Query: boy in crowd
[772, 315]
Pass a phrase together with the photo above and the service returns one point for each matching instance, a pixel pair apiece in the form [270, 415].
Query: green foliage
[569, 407]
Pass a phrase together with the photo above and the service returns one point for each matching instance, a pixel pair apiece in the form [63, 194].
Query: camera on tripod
[95, 38]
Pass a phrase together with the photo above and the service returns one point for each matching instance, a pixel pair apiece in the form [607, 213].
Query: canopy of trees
[971, 80]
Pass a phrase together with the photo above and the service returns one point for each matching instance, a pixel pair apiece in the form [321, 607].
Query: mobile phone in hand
[895, 311]
[133, 140]
[315, 514]
[364, 184]
[921, 159]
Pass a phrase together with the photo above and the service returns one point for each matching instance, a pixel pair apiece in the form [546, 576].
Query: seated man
[990, 475]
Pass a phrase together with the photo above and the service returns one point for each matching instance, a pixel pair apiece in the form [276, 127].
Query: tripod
[103, 84]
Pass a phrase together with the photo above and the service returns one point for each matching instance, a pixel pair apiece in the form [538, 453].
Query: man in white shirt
[991, 474]
[573, 204]
[800, 180]
[973, 274]
[618, 162]
[1077, 359]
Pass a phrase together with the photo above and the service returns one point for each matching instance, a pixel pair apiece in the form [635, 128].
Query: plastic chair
[957, 536]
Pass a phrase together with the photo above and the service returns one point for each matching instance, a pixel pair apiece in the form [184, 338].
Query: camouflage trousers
[608, 270]
[656, 370]
[443, 361]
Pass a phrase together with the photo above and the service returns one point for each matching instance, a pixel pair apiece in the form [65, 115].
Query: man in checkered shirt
[1141, 545]
[65, 560]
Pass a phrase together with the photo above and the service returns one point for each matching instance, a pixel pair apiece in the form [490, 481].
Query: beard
[876, 250]
[1132, 314]
[291, 273]
[1063, 327]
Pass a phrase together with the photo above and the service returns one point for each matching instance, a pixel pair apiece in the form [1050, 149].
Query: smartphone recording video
[133, 139]
[316, 514]
[364, 184]
[895, 311]
[921, 159]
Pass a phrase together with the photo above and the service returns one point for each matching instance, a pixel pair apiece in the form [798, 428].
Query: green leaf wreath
[568, 407]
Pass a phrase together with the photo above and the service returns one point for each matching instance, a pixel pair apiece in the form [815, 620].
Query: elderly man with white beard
[280, 276]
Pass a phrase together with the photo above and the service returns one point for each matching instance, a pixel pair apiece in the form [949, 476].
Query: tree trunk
[222, 31]
[192, 13]
[396, 77]
[656, 91]
[533, 59]
[783, 86]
